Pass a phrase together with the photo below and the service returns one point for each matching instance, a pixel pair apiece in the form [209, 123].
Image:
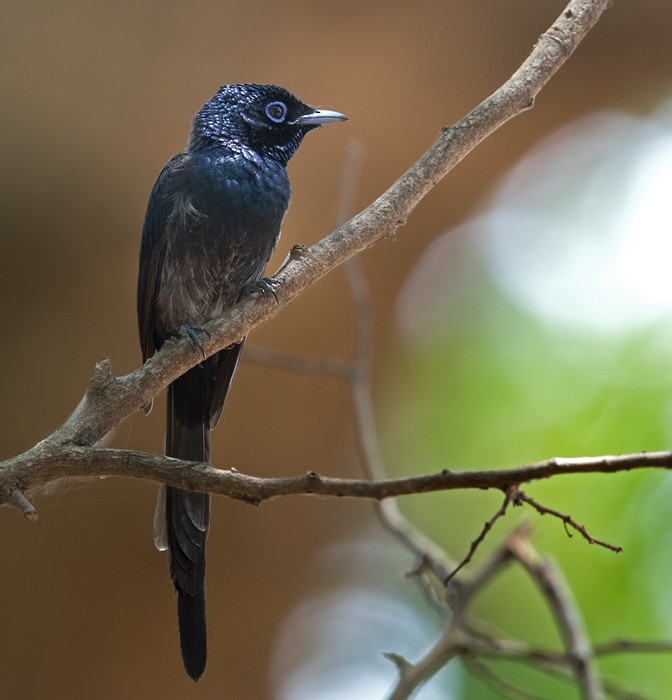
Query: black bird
[212, 222]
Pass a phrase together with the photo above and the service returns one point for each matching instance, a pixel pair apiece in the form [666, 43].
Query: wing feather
[152, 252]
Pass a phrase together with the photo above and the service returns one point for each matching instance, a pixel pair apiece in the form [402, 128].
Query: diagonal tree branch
[567, 615]
[109, 399]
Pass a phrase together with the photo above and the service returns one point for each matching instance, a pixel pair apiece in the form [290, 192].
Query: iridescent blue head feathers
[266, 118]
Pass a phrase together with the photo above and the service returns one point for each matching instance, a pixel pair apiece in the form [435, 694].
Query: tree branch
[42, 465]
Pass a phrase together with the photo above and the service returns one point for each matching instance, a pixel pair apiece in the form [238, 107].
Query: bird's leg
[191, 332]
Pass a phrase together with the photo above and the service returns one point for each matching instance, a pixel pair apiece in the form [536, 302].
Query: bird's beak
[320, 117]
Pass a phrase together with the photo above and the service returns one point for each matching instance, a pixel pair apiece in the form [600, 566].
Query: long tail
[187, 514]
[182, 518]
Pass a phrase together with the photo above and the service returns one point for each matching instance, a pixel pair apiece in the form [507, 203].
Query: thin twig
[476, 543]
[628, 646]
[567, 520]
[489, 644]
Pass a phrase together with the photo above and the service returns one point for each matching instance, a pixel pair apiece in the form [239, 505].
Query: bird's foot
[264, 286]
[191, 332]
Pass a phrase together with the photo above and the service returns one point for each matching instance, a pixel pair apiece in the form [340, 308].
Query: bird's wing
[152, 250]
[224, 366]
[225, 362]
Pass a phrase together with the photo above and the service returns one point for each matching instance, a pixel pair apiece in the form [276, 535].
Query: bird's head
[266, 119]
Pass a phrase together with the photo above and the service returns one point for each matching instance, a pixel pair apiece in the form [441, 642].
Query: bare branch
[44, 464]
[567, 616]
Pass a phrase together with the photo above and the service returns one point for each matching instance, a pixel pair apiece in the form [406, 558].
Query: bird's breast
[224, 224]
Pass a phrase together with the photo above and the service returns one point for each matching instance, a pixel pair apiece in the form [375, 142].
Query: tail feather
[186, 539]
[193, 641]
[182, 518]
[186, 542]
[187, 514]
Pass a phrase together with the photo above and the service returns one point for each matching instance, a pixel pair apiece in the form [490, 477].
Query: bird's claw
[191, 332]
[264, 286]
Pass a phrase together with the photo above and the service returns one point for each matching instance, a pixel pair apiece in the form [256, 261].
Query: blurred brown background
[96, 97]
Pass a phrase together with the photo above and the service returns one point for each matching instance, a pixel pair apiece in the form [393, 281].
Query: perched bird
[212, 222]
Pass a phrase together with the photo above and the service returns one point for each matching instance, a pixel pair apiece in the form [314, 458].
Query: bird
[212, 222]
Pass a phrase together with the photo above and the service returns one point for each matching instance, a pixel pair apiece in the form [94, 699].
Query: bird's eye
[276, 111]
